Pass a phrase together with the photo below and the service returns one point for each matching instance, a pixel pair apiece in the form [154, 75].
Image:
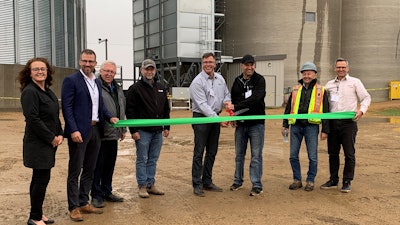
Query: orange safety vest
[316, 102]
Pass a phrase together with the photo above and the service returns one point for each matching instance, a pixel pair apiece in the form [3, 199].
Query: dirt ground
[374, 198]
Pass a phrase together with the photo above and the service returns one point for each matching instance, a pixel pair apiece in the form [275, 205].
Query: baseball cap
[248, 59]
[148, 62]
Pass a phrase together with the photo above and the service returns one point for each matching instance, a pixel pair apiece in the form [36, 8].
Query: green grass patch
[389, 112]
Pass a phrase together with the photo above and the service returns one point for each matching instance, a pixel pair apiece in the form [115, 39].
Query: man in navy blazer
[83, 110]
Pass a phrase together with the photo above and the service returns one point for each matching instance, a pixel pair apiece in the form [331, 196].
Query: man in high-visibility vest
[306, 98]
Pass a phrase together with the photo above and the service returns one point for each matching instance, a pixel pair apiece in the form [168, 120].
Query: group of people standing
[90, 105]
[339, 95]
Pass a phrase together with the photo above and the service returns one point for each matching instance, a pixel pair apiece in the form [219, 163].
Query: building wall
[272, 68]
[9, 86]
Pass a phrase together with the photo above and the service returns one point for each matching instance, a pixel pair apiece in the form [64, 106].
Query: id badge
[334, 98]
[247, 94]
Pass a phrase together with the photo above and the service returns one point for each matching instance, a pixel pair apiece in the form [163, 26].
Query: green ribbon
[217, 119]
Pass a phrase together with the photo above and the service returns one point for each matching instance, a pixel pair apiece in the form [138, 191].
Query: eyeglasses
[36, 69]
[87, 61]
[109, 71]
[341, 67]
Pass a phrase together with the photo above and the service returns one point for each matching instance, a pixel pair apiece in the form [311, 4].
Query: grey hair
[342, 60]
[108, 62]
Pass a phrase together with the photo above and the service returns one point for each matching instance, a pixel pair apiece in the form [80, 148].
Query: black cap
[248, 59]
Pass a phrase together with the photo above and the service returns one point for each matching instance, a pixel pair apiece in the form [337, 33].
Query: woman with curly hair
[43, 131]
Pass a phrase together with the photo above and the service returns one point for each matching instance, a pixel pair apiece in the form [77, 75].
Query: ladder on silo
[203, 33]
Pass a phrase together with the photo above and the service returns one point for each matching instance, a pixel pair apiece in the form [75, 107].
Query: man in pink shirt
[344, 93]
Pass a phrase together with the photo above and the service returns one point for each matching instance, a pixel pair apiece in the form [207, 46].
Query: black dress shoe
[198, 191]
[97, 202]
[212, 187]
[48, 221]
[113, 198]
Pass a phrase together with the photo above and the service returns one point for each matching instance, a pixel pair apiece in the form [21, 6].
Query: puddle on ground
[8, 120]
[375, 120]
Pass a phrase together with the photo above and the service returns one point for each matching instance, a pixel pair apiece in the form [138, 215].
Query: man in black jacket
[248, 93]
[147, 99]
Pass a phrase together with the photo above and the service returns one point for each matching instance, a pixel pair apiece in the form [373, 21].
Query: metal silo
[55, 30]
[175, 33]
[370, 41]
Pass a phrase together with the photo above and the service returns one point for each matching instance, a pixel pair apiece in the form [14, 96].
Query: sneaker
[256, 191]
[75, 215]
[113, 198]
[154, 191]
[296, 185]
[97, 202]
[330, 184]
[346, 187]
[87, 209]
[235, 187]
[143, 191]
[198, 190]
[309, 186]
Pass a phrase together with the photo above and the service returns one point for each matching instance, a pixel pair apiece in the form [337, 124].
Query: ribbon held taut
[217, 119]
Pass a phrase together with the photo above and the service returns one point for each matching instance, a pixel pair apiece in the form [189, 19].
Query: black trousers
[81, 165]
[206, 137]
[342, 134]
[37, 192]
[103, 174]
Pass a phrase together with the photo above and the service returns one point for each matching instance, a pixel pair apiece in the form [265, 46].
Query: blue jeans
[148, 149]
[255, 134]
[310, 134]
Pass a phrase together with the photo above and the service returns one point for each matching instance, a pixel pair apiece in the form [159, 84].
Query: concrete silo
[303, 30]
[370, 41]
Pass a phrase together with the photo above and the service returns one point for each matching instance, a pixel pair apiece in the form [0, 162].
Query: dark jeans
[206, 138]
[254, 134]
[342, 133]
[103, 174]
[37, 192]
[82, 161]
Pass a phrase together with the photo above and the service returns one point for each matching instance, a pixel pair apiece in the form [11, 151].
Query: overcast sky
[111, 20]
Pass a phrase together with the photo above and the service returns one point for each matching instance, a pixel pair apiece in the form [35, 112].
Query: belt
[196, 114]
[94, 123]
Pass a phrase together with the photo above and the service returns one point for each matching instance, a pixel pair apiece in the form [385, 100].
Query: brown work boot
[143, 191]
[75, 215]
[154, 191]
[296, 185]
[90, 209]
